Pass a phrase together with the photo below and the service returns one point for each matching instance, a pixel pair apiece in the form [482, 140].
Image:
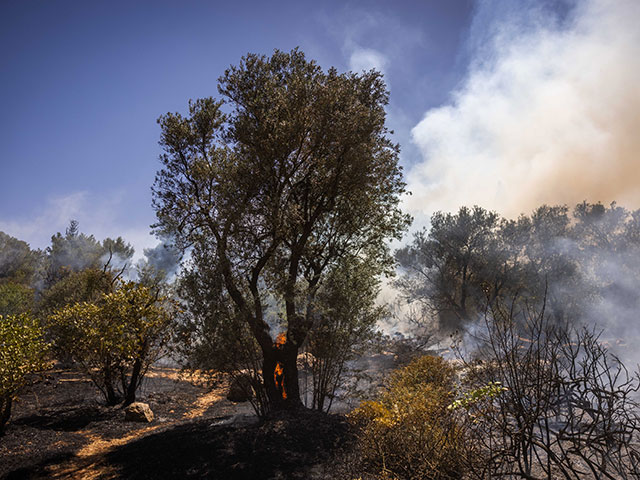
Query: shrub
[22, 352]
[549, 401]
[115, 339]
[409, 432]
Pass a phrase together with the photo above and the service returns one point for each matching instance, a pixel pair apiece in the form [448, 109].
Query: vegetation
[18, 263]
[587, 259]
[115, 339]
[15, 298]
[272, 196]
[74, 251]
[409, 432]
[284, 195]
[344, 328]
[549, 401]
[22, 352]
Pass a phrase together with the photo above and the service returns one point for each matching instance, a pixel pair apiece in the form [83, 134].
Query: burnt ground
[61, 430]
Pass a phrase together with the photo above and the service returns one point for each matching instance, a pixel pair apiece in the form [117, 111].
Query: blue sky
[83, 83]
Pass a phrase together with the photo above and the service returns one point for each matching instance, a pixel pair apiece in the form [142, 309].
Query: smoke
[548, 113]
[164, 257]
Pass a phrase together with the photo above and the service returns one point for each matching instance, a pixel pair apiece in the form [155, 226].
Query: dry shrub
[409, 432]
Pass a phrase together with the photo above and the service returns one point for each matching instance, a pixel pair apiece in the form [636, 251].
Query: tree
[346, 316]
[114, 339]
[87, 285]
[22, 352]
[15, 299]
[74, 251]
[449, 267]
[18, 263]
[588, 260]
[566, 408]
[298, 175]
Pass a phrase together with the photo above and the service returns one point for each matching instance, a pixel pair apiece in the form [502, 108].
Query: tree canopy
[298, 174]
[75, 251]
[115, 338]
[18, 263]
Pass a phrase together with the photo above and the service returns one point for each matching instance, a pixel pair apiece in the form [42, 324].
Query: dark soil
[61, 430]
[291, 445]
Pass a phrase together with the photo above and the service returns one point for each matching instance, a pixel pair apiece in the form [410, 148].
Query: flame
[281, 339]
[278, 373]
[278, 377]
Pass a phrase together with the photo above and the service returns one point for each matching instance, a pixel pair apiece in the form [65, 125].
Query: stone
[138, 412]
[240, 389]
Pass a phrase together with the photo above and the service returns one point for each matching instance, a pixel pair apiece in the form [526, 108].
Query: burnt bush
[562, 405]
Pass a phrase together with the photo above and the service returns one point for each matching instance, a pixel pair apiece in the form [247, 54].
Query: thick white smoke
[547, 114]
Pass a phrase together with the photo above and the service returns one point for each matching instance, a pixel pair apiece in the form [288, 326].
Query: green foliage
[75, 251]
[210, 336]
[84, 286]
[18, 263]
[409, 432]
[467, 260]
[15, 299]
[22, 352]
[273, 194]
[114, 339]
[346, 315]
[470, 399]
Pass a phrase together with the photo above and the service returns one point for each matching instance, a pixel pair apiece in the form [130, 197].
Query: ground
[61, 430]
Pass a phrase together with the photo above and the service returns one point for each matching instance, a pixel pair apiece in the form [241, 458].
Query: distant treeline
[586, 260]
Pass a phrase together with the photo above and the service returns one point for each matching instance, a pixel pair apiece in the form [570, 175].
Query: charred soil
[61, 430]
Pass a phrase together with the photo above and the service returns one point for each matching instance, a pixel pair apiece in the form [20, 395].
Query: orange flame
[278, 377]
[278, 373]
[281, 339]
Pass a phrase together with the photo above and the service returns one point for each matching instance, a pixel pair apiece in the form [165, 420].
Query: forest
[252, 343]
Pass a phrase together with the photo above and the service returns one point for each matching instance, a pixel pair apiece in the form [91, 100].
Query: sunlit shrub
[22, 352]
[115, 339]
[410, 432]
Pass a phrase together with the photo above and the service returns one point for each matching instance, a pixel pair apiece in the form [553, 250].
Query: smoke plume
[548, 113]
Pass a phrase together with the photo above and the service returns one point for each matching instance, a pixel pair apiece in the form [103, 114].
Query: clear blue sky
[83, 83]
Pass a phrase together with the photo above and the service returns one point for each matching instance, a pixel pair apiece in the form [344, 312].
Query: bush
[115, 339]
[410, 432]
[22, 352]
[549, 401]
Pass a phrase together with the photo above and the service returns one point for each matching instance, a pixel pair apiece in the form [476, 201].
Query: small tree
[22, 352]
[115, 339]
[210, 335]
[344, 326]
[567, 407]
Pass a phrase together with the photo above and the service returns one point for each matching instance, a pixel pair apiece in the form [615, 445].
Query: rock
[138, 412]
[240, 389]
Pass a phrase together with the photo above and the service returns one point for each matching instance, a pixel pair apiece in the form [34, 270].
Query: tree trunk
[130, 390]
[130, 393]
[280, 374]
[5, 412]
[110, 393]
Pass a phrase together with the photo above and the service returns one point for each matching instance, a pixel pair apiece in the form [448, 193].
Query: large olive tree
[287, 174]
